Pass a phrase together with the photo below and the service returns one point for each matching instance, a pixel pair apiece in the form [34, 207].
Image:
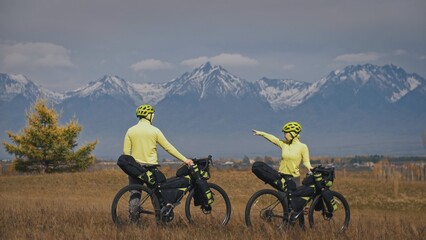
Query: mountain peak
[392, 81]
[206, 67]
[107, 85]
[208, 80]
[12, 85]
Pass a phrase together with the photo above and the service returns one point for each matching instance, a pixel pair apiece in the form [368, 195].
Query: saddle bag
[149, 175]
[129, 165]
[269, 175]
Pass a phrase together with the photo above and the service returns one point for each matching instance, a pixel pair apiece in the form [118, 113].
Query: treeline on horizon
[314, 159]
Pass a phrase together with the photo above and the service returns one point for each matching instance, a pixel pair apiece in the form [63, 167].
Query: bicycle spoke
[133, 205]
[335, 221]
[265, 208]
[219, 212]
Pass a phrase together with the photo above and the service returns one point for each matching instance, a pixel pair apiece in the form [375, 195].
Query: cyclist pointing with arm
[293, 152]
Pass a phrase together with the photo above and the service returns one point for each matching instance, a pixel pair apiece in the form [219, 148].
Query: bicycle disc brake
[266, 214]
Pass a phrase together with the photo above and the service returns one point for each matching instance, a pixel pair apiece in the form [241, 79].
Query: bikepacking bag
[329, 201]
[148, 175]
[202, 166]
[300, 196]
[173, 188]
[202, 193]
[309, 180]
[269, 175]
[324, 177]
[129, 165]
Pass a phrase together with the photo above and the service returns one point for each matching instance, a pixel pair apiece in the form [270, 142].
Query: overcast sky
[62, 45]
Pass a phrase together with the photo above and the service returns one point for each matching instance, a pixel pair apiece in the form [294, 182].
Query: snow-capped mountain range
[214, 105]
[390, 81]
[12, 85]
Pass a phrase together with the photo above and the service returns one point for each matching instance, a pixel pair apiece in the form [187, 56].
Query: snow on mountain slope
[210, 80]
[151, 93]
[108, 85]
[12, 85]
[283, 93]
[390, 81]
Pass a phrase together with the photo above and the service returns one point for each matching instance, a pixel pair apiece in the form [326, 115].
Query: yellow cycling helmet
[144, 110]
[292, 127]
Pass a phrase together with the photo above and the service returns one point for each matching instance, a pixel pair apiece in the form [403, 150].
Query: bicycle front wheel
[135, 205]
[266, 208]
[321, 218]
[220, 211]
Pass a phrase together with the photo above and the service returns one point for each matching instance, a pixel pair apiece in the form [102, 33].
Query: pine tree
[44, 146]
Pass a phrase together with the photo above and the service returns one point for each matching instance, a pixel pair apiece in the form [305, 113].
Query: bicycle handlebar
[322, 168]
[209, 158]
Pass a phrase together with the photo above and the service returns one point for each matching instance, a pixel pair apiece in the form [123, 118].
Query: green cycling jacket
[292, 154]
[141, 143]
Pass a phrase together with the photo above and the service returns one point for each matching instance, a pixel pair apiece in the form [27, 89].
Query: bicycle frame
[267, 206]
[125, 212]
[168, 208]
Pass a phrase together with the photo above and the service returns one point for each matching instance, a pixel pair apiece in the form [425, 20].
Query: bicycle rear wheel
[220, 211]
[321, 218]
[266, 208]
[135, 205]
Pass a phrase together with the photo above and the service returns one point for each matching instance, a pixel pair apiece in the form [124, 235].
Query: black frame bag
[171, 190]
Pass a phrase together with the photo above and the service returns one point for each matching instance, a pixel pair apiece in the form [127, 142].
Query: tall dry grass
[77, 206]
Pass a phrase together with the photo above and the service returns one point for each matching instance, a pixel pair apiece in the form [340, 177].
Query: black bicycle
[276, 208]
[138, 204]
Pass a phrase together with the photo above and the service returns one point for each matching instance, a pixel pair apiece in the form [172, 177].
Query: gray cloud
[358, 57]
[34, 55]
[150, 65]
[50, 40]
[224, 59]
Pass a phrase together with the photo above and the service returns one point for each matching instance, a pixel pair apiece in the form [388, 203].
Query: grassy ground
[77, 206]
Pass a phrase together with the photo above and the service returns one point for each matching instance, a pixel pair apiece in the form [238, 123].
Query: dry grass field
[77, 206]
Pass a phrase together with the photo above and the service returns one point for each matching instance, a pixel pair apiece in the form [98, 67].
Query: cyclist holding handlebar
[141, 140]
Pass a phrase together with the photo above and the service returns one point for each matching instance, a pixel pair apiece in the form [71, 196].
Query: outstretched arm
[269, 137]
